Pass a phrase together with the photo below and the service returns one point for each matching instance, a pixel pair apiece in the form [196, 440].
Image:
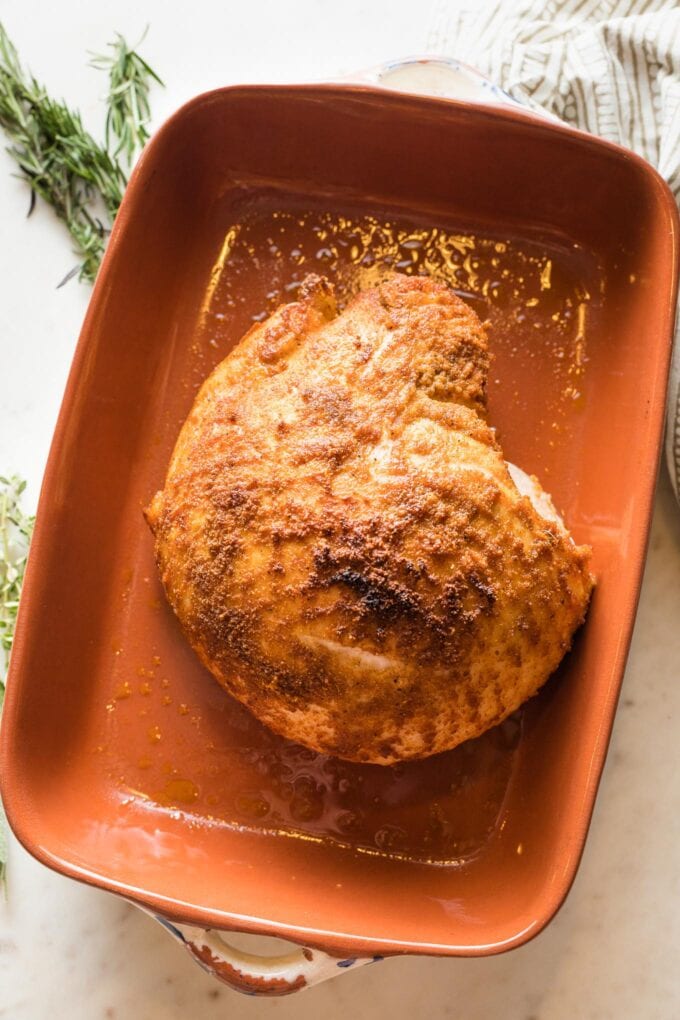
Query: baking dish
[115, 765]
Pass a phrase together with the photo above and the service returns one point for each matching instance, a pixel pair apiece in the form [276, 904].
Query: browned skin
[340, 537]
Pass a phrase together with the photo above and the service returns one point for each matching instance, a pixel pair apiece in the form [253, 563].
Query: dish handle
[260, 975]
[442, 77]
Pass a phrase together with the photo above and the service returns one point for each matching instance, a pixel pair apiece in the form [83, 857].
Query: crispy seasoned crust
[341, 539]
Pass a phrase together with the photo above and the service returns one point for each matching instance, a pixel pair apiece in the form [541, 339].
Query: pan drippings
[188, 746]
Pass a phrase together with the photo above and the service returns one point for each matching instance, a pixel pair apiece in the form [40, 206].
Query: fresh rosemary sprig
[60, 160]
[16, 528]
[130, 79]
[81, 179]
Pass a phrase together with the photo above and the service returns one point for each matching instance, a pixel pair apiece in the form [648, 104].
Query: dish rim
[210, 917]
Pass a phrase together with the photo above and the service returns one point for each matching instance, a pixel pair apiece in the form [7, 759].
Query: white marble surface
[67, 950]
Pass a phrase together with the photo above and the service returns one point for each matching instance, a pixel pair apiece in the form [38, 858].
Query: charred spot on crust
[378, 594]
[484, 588]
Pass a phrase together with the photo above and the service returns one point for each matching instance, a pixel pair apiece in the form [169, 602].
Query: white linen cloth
[611, 67]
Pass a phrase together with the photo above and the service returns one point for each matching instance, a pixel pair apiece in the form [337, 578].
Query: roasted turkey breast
[343, 543]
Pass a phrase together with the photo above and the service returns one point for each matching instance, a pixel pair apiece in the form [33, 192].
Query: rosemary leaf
[130, 79]
[80, 178]
[61, 162]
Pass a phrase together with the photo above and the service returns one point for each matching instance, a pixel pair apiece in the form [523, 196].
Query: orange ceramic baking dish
[123, 764]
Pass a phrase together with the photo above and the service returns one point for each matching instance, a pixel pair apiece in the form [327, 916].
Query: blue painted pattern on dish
[170, 927]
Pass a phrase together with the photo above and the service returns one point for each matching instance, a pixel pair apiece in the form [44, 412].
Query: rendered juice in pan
[189, 746]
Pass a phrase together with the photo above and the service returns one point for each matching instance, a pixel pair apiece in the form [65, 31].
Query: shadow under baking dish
[125, 763]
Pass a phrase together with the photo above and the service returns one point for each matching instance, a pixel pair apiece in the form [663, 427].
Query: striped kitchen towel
[611, 67]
